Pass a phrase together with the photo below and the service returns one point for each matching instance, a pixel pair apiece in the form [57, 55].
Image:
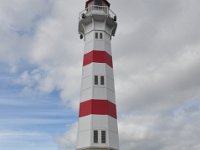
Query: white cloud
[12, 139]
[18, 22]
[162, 85]
[68, 140]
[31, 121]
[161, 131]
[156, 60]
[11, 135]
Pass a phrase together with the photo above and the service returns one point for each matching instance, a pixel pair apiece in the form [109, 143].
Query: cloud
[43, 38]
[176, 130]
[19, 20]
[10, 139]
[27, 121]
[156, 60]
[68, 140]
[164, 86]
[4, 135]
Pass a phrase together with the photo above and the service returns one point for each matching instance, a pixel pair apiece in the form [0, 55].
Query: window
[96, 80]
[95, 136]
[103, 136]
[99, 80]
[98, 2]
[102, 80]
[96, 35]
[101, 35]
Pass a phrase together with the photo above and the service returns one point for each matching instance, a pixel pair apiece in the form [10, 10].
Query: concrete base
[97, 149]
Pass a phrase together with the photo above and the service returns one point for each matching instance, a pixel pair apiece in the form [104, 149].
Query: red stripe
[98, 57]
[97, 107]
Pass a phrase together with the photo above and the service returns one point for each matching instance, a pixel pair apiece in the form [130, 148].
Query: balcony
[102, 14]
[97, 10]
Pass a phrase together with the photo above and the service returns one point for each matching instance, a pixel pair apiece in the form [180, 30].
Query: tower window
[102, 80]
[95, 136]
[103, 136]
[96, 80]
[101, 35]
[96, 35]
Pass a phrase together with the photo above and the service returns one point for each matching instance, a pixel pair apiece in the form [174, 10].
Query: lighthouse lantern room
[97, 126]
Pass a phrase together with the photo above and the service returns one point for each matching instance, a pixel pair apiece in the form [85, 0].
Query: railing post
[94, 8]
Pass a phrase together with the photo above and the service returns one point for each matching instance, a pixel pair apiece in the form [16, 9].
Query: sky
[156, 54]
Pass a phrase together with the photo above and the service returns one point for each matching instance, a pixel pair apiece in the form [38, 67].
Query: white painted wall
[84, 139]
[89, 91]
[97, 44]
[113, 139]
[98, 122]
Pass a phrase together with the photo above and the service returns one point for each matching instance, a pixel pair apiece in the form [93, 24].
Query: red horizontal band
[98, 57]
[97, 107]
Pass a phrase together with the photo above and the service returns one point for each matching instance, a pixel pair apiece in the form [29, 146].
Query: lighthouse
[97, 125]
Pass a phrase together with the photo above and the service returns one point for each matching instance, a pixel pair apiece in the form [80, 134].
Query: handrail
[95, 9]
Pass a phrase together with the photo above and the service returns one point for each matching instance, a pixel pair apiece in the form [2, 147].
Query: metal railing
[99, 10]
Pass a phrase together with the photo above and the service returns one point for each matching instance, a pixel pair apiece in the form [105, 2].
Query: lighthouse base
[97, 149]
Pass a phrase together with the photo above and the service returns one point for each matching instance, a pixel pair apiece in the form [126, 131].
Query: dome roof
[96, 1]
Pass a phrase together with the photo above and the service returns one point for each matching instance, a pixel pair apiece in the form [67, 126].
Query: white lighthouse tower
[97, 127]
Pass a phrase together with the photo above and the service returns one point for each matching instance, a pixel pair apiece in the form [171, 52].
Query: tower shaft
[97, 127]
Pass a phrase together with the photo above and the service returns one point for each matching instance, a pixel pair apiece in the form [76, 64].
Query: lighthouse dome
[97, 2]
